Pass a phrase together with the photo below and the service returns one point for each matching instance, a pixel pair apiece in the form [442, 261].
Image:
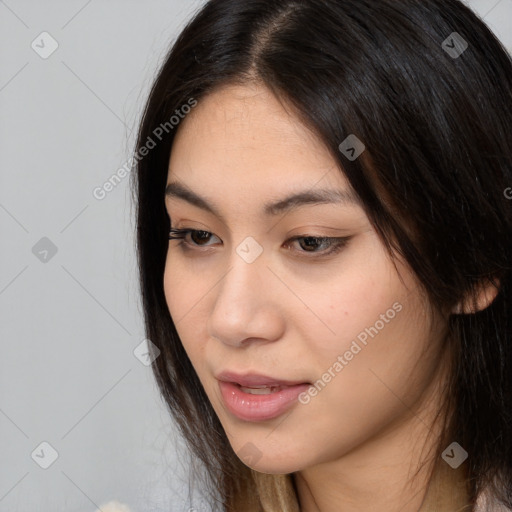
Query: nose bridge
[240, 291]
[247, 268]
[245, 304]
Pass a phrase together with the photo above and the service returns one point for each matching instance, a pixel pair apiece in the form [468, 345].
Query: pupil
[198, 234]
[313, 245]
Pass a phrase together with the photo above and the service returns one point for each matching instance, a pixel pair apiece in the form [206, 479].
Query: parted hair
[433, 180]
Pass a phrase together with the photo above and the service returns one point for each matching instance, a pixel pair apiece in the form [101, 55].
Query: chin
[269, 460]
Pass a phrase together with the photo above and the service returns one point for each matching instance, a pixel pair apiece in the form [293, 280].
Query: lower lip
[259, 407]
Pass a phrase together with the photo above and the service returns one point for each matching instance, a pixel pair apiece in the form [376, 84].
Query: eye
[198, 235]
[332, 245]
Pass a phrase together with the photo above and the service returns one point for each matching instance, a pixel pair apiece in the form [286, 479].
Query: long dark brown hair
[433, 179]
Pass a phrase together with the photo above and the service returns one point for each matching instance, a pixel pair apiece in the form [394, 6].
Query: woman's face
[349, 342]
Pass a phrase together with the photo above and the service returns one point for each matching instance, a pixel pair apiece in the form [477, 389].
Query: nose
[247, 307]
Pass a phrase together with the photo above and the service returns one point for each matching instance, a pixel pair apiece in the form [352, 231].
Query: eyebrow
[291, 202]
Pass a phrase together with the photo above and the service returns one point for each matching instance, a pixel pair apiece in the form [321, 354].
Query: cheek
[174, 290]
[381, 330]
[184, 302]
[364, 298]
[184, 290]
[377, 327]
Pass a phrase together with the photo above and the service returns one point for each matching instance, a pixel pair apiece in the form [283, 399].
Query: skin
[289, 314]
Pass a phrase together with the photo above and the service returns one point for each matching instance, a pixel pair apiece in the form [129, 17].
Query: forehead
[243, 137]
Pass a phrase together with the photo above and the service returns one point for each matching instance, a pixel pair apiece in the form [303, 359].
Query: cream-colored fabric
[446, 493]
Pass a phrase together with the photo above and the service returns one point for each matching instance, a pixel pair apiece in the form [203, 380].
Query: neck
[393, 471]
[447, 490]
[373, 477]
[444, 492]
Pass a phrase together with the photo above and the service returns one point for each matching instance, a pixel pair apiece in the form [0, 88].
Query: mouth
[253, 381]
[254, 397]
[260, 390]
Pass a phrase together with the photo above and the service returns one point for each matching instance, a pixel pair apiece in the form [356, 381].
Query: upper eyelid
[340, 232]
[301, 235]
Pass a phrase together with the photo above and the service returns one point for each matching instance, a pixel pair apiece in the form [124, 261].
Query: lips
[261, 390]
[254, 380]
[254, 397]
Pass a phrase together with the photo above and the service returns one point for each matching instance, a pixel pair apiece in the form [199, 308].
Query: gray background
[70, 321]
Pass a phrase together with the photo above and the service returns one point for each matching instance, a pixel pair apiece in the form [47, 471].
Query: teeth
[261, 390]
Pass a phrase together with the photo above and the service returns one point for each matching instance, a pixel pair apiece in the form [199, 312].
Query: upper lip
[255, 379]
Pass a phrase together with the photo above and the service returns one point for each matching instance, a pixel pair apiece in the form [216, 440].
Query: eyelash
[335, 243]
